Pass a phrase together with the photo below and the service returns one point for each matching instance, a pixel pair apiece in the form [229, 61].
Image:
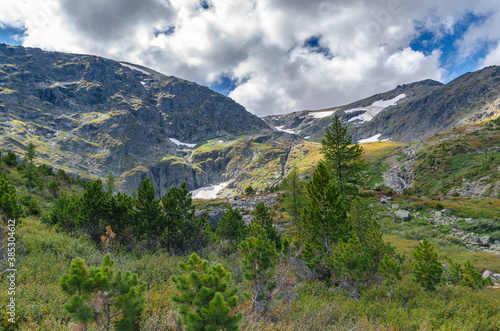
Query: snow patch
[208, 192]
[374, 109]
[321, 114]
[178, 143]
[280, 128]
[130, 66]
[372, 139]
[220, 141]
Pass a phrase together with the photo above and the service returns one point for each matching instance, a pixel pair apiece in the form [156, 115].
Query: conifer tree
[94, 210]
[120, 215]
[466, 275]
[181, 230]
[427, 270]
[10, 209]
[147, 213]
[110, 184]
[205, 300]
[294, 195]
[263, 217]
[324, 219]
[259, 259]
[343, 158]
[65, 212]
[232, 227]
[79, 286]
[30, 166]
[103, 295]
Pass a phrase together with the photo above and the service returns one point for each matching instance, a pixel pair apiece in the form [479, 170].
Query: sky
[271, 56]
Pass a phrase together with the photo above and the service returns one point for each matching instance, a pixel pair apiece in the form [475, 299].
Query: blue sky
[8, 35]
[272, 56]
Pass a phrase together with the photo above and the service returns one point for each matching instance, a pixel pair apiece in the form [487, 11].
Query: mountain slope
[410, 112]
[88, 115]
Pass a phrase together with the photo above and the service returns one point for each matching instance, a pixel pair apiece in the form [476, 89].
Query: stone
[446, 211]
[395, 206]
[403, 214]
[437, 214]
[487, 274]
[495, 247]
[484, 240]
[384, 201]
[469, 220]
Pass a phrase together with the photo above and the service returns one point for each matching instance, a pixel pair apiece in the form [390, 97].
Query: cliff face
[88, 115]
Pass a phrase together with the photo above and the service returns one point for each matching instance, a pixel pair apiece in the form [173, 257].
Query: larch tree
[344, 159]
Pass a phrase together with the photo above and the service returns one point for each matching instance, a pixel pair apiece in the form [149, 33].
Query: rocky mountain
[409, 113]
[88, 115]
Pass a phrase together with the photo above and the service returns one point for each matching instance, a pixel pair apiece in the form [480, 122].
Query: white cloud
[260, 44]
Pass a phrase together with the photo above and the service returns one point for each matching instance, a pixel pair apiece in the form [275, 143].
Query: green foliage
[262, 217]
[466, 275]
[259, 259]
[294, 194]
[427, 270]
[54, 187]
[10, 159]
[343, 158]
[356, 259]
[147, 213]
[324, 219]
[205, 298]
[249, 190]
[10, 209]
[103, 295]
[93, 210]
[181, 230]
[65, 212]
[232, 227]
[110, 183]
[30, 166]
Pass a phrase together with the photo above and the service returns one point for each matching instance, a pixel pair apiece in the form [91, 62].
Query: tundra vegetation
[327, 256]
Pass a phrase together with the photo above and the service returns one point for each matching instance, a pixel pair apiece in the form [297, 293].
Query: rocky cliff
[88, 115]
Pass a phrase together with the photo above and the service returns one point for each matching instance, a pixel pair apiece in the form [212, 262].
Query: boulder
[395, 206]
[484, 240]
[384, 201]
[403, 215]
[469, 220]
[437, 214]
[446, 211]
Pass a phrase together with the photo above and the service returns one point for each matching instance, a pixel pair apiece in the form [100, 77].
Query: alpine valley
[90, 116]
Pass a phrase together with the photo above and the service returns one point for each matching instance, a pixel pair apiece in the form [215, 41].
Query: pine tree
[232, 227]
[324, 219]
[110, 184]
[466, 275]
[103, 295]
[94, 210]
[78, 285]
[30, 166]
[120, 215]
[259, 259]
[147, 214]
[343, 158]
[263, 217]
[427, 270]
[65, 212]
[181, 230]
[205, 300]
[294, 195]
[10, 209]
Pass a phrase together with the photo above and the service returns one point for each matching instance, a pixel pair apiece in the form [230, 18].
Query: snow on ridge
[372, 139]
[178, 143]
[208, 192]
[321, 114]
[131, 66]
[280, 128]
[373, 110]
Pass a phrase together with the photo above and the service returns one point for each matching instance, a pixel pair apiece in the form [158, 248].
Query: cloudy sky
[271, 56]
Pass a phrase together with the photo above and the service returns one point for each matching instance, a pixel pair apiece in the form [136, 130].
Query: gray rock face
[403, 215]
[484, 240]
[95, 115]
